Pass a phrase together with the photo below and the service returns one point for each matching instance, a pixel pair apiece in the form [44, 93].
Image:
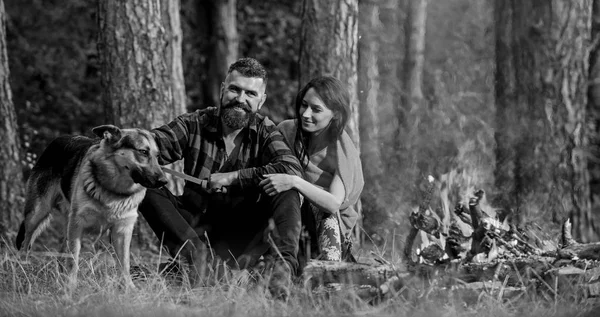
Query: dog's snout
[149, 180]
[162, 181]
[159, 180]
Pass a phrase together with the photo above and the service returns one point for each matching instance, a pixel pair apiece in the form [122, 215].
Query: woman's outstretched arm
[328, 200]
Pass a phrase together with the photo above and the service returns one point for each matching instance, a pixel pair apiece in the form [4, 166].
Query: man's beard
[234, 118]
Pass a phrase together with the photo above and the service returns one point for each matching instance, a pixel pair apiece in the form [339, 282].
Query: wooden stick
[201, 182]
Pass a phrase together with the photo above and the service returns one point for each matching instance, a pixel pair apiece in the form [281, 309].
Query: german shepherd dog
[101, 183]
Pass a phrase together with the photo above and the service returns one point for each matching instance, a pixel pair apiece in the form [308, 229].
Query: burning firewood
[457, 244]
[480, 242]
[476, 247]
[422, 220]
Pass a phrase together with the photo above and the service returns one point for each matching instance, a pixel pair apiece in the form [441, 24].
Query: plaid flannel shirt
[197, 139]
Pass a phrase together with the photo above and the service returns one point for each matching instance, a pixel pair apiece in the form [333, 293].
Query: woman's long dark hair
[336, 97]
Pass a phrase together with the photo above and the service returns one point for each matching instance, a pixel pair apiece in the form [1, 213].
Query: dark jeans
[235, 227]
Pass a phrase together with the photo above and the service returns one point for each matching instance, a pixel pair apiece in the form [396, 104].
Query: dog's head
[134, 151]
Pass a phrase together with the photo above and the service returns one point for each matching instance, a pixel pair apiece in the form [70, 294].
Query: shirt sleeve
[172, 138]
[275, 157]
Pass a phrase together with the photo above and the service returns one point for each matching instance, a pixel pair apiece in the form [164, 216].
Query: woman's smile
[316, 116]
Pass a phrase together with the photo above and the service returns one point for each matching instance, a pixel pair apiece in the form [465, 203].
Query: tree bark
[594, 111]
[11, 179]
[542, 54]
[390, 67]
[329, 45]
[140, 50]
[142, 76]
[223, 44]
[414, 60]
[369, 83]
[371, 96]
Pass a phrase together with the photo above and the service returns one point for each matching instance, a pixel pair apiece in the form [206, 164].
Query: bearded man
[230, 147]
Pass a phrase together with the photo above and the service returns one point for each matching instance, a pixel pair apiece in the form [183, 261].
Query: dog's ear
[109, 132]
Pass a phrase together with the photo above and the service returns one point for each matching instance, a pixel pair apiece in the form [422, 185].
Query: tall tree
[375, 94]
[329, 45]
[369, 83]
[542, 54]
[11, 180]
[140, 53]
[594, 111]
[210, 31]
[142, 76]
[223, 44]
[414, 58]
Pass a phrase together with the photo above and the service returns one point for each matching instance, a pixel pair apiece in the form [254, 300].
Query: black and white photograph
[300, 158]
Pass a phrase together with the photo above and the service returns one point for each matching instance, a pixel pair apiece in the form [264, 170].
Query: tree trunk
[390, 66]
[370, 98]
[212, 44]
[329, 45]
[541, 95]
[594, 112]
[11, 179]
[140, 50]
[142, 75]
[369, 88]
[223, 44]
[414, 60]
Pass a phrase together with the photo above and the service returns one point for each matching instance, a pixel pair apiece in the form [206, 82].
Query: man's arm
[172, 139]
[276, 156]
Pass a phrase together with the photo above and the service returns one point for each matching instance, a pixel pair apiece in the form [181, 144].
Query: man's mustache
[241, 105]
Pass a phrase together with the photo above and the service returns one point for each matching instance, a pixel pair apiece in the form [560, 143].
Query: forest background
[480, 94]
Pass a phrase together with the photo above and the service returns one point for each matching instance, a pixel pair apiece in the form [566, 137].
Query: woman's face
[315, 116]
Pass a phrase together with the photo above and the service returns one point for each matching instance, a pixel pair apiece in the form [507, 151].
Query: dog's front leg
[121, 233]
[74, 232]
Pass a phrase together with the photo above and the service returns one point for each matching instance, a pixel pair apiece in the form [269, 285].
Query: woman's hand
[274, 184]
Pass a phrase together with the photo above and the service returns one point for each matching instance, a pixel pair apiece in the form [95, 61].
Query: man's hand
[274, 184]
[218, 182]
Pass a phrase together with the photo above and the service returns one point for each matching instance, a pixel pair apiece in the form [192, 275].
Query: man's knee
[290, 198]
[154, 198]
[286, 212]
[157, 194]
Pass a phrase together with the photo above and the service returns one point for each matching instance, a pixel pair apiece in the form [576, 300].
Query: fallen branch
[324, 272]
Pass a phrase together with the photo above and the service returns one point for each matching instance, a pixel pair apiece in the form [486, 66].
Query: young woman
[333, 178]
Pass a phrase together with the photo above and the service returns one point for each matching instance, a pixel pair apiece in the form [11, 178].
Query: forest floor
[32, 286]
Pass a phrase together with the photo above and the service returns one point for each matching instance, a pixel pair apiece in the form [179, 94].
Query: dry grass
[31, 286]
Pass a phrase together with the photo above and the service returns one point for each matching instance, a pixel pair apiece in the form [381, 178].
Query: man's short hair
[249, 67]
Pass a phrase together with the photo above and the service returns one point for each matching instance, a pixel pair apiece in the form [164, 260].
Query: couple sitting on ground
[305, 172]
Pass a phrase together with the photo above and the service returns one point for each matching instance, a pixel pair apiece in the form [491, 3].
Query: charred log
[480, 243]
[456, 244]
[463, 213]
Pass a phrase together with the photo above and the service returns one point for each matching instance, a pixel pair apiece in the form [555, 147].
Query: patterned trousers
[327, 232]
